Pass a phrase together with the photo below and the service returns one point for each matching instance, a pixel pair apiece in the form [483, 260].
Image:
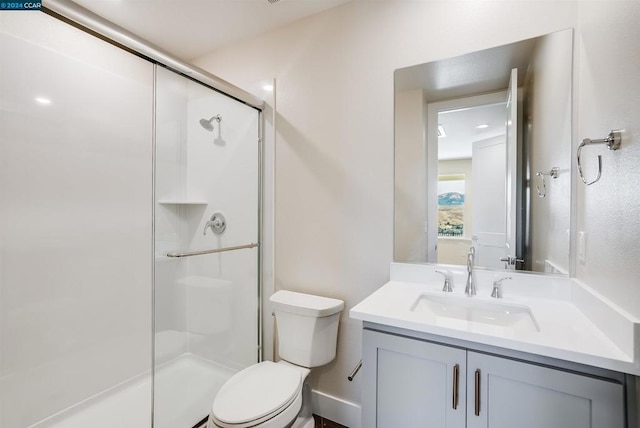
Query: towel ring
[612, 142]
[553, 174]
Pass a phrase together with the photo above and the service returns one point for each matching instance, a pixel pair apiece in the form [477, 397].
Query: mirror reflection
[483, 157]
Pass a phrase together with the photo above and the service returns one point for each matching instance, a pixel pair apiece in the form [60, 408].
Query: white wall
[76, 209]
[608, 97]
[334, 142]
[170, 223]
[222, 289]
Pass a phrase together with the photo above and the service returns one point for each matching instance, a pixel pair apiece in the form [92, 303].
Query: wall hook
[553, 174]
[613, 141]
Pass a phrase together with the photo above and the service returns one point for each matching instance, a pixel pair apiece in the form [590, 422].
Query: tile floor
[320, 423]
[326, 423]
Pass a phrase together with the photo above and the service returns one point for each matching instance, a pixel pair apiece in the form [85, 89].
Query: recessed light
[482, 126]
[43, 100]
[268, 87]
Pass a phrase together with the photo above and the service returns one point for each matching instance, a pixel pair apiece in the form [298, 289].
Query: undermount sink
[473, 314]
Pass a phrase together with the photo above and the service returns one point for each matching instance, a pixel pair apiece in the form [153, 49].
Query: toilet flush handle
[354, 372]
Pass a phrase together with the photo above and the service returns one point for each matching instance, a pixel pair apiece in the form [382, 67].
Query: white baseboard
[336, 409]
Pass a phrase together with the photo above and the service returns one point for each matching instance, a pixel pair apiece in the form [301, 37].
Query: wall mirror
[483, 157]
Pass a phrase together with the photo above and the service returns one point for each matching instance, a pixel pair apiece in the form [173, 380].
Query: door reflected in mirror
[470, 134]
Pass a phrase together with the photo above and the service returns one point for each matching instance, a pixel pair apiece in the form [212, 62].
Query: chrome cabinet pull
[456, 374]
[477, 392]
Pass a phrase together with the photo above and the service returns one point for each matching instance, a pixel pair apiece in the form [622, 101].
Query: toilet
[274, 395]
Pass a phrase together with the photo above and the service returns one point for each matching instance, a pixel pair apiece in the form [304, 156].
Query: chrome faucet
[448, 281]
[470, 289]
[497, 287]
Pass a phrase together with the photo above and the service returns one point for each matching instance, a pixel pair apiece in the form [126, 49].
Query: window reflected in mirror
[451, 193]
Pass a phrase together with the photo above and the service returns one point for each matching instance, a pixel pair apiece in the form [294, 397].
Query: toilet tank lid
[305, 304]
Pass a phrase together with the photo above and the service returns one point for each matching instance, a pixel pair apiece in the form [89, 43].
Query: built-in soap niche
[172, 228]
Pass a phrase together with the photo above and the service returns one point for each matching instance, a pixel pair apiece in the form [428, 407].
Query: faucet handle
[448, 281]
[497, 287]
[510, 261]
[217, 223]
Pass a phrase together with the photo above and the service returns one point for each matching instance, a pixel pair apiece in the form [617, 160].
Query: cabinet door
[411, 383]
[517, 394]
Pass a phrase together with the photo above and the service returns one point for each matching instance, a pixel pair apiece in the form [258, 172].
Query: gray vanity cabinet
[410, 382]
[518, 394]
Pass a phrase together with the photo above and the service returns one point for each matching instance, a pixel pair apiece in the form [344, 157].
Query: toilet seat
[257, 394]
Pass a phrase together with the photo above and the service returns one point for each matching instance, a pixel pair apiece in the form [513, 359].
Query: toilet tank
[307, 327]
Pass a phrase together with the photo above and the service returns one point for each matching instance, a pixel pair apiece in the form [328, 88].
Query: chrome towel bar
[612, 142]
[217, 250]
[553, 174]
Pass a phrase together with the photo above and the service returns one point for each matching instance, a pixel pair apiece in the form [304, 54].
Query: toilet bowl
[274, 395]
[268, 395]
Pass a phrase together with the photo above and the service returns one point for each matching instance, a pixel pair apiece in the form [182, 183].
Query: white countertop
[575, 324]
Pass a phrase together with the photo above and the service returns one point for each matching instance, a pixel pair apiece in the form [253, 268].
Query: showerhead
[208, 123]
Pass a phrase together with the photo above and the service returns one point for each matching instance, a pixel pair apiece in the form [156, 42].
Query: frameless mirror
[483, 157]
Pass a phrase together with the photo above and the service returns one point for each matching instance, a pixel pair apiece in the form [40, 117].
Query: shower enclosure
[129, 233]
[206, 295]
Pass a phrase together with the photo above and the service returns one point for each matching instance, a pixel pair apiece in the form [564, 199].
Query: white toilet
[270, 395]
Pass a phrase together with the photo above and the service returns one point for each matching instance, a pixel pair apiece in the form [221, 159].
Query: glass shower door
[75, 228]
[206, 206]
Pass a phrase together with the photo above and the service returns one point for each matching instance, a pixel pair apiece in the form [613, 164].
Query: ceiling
[189, 29]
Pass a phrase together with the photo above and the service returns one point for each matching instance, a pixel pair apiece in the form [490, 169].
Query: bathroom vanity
[550, 353]
[425, 380]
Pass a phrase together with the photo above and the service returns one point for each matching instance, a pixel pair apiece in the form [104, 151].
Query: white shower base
[185, 388]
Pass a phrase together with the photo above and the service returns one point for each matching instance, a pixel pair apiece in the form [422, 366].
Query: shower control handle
[217, 224]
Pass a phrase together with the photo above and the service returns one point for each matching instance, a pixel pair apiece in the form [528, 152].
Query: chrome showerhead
[208, 124]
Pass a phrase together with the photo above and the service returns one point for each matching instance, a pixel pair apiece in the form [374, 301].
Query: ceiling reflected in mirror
[473, 73]
[465, 125]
